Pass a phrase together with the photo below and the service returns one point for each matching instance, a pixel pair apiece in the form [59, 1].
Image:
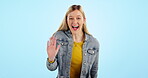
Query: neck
[78, 37]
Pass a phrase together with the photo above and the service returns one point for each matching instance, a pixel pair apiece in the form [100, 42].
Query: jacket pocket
[92, 51]
[91, 55]
[62, 42]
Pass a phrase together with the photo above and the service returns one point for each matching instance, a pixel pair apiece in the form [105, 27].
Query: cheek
[68, 22]
[81, 22]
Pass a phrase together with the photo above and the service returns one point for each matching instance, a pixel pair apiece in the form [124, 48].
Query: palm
[52, 50]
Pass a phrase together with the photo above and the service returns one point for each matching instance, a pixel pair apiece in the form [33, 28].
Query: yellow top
[76, 60]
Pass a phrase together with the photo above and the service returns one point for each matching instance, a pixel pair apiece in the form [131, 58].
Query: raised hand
[52, 50]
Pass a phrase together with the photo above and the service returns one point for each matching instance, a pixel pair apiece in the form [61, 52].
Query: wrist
[50, 59]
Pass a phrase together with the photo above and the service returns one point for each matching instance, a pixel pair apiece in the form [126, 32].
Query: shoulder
[94, 41]
[59, 34]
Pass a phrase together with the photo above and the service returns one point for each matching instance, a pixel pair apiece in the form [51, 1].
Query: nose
[75, 21]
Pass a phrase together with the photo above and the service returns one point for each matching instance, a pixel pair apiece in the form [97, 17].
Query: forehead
[75, 13]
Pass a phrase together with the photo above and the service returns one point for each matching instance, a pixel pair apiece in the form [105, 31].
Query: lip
[75, 28]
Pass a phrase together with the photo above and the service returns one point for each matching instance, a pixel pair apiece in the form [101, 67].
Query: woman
[72, 49]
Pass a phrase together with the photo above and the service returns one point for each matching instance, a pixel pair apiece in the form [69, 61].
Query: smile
[75, 27]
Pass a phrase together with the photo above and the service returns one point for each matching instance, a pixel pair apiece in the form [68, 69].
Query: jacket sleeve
[52, 66]
[94, 69]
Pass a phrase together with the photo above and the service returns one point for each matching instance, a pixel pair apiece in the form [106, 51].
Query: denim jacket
[62, 61]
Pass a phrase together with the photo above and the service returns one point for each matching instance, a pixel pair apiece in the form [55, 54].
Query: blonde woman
[72, 49]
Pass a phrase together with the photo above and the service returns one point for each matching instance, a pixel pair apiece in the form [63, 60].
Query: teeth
[75, 26]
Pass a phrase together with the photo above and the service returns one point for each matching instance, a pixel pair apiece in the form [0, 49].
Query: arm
[52, 50]
[52, 66]
[94, 69]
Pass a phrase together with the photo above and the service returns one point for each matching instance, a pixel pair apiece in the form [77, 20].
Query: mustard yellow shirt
[76, 60]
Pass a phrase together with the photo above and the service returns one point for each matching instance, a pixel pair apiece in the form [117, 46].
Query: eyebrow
[77, 15]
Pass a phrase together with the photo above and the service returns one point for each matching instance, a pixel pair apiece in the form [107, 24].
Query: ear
[84, 19]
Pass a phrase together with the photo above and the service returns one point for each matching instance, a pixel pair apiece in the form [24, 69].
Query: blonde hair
[64, 25]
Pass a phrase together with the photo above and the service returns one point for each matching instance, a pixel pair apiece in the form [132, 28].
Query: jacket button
[84, 72]
[84, 62]
[93, 52]
[62, 43]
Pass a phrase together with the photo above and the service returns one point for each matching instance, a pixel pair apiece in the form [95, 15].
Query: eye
[71, 18]
[79, 18]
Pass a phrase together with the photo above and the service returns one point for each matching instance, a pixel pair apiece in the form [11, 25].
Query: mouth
[75, 27]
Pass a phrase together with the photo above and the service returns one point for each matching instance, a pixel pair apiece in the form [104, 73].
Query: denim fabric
[62, 61]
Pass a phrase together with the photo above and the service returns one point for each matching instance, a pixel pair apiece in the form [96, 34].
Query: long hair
[64, 25]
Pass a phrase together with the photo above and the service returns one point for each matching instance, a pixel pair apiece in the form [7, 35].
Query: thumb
[58, 47]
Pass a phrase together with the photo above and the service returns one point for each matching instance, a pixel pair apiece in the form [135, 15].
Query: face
[75, 21]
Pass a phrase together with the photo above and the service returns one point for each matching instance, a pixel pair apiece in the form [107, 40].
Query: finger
[58, 47]
[50, 38]
[54, 42]
[47, 43]
[51, 41]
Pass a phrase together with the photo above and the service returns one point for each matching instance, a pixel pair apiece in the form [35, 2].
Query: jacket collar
[69, 34]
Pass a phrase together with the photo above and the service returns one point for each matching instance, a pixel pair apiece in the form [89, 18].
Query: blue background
[121, 26]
